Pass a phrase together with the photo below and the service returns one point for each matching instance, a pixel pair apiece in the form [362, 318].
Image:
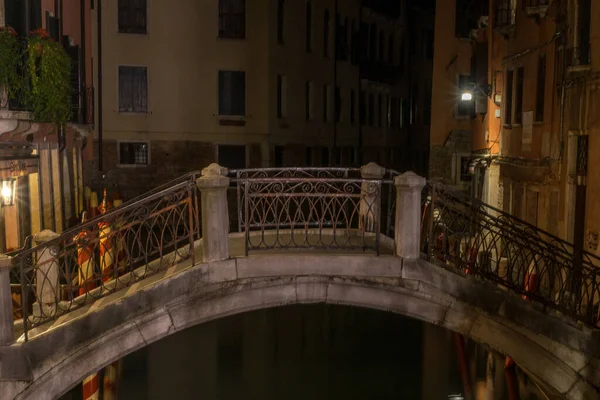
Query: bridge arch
[553, 351]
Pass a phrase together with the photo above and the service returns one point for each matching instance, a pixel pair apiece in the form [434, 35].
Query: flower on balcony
[10, 57]
[41, 33]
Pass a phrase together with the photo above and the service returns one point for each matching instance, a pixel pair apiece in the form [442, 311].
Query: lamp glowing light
[7, 192]
[467, 96]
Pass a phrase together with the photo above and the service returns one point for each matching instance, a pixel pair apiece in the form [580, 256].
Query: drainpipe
[335, 99]
[563, 95]
[358, 60]
[99, 89]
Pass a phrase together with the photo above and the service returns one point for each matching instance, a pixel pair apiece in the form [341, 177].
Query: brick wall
[168, 160]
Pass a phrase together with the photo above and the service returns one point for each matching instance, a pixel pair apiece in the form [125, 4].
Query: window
[352, 107]
[373, 42]
[509, 97]
[232, 93]
[232, 19]
[281, 96]
[371, 112]
[381, 46]
[326, 33]
[395, 113]
[325, 103]
[280, 21]
[391, 49]
[519, 98]
[405, 116]
[133, 89]
[325, 157]
[362, 108]
[132, 16]
[541, 89]
[309, 28]
[52, 26]
[338, 104]
[379, 109]
[133, 153]
[232, 156]
[278, 156]
[309, 101]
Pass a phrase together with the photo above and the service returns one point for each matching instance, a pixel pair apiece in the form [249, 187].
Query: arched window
[280, 21]
[326, 33]
[309, 35]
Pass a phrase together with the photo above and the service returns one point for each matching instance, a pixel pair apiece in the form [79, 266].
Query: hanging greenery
[49, 69]
[10, 57]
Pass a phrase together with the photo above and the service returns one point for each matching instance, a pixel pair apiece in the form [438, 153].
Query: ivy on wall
[45, 87]
[49, 69]
[10, 56]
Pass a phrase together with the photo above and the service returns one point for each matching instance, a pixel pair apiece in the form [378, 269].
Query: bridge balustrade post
[370, 199]
[47, 273]
[213, 186]
[6, 308]
[408, 214]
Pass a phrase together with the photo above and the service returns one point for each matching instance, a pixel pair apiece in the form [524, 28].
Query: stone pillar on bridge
[215, 215]
[47, 273]
[370, 200]
[6, 308]
[408, 214]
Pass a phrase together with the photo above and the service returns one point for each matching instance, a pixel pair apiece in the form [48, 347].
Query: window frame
[147, 110]
[120, 164]
[241, 32]
[245, 104]
[132, 30]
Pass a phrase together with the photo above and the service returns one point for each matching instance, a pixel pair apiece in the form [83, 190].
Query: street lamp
[469, 91]
[8, 192]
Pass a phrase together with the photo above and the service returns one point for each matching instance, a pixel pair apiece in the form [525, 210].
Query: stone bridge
[168, 261]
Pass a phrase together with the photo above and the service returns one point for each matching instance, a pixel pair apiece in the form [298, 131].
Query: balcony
[536, 8]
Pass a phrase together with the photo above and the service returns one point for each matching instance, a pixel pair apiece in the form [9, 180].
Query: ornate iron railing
[486, 242]
[101, 256]
[326, 213]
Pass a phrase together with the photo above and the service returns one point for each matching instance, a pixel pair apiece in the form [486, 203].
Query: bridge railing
[122, 246]
[495, 246]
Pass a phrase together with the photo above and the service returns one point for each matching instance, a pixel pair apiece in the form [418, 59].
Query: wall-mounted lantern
[8, 190]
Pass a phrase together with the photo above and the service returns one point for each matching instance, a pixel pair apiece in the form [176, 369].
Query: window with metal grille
[232, 19]
[519, 97]
[133, 89]
[132, 16]
[232, 93]
[134, 153]
[541, 89]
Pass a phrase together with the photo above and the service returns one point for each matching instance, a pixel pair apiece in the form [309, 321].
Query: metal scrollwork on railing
[107, 253]
[483, 241]
[310, 213]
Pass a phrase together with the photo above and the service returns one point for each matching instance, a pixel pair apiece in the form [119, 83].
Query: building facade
[523, 143]
[41, 162]
[281, 83]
